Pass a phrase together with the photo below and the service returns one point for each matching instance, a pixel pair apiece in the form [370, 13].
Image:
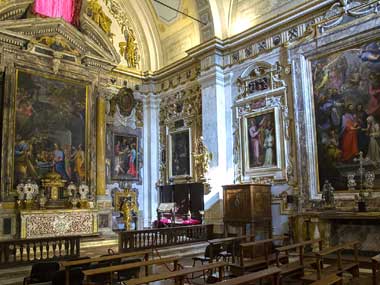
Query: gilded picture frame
[262, 143]
[180, 154]
[125, 157]
[75, 148]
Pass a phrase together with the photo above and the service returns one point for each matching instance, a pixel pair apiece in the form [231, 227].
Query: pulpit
[248, 205]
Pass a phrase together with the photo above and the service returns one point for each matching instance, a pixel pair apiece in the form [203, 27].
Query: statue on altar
[126, 202]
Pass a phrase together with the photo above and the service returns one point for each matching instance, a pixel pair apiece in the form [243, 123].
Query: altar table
[58, 222]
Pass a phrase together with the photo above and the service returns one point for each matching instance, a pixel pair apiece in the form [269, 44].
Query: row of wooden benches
[294, 259]
[253, 256]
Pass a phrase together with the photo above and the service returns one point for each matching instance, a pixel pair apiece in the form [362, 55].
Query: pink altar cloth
[55, 9]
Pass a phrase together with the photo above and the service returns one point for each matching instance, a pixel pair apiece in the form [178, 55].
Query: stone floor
[15, 275]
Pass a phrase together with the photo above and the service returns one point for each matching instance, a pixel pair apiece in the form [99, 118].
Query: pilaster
[151, 158]
[217, 131]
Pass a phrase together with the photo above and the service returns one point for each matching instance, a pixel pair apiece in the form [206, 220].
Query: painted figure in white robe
[268, 146]
[373, 153]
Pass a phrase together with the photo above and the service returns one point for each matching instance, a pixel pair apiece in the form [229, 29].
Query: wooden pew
[121, 267]
[270, 273]
[76, 263]
[297, 266]
[329, 280]
[375, 268]
[229, 241]
[180, 275]
[261, 255]
[340, 266]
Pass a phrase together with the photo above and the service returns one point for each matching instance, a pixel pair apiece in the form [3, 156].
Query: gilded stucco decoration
[57, 43]
[95, 11]
[180, 112]
[125, 110]
[262, 148]
[129, 48]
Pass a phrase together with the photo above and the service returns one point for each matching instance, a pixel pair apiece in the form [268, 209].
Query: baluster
[13, 252]
[47, 249]
[28, 251]
[77, 253]
[41, 251]
[34, 251]
[60, 247]
[21, 249]
[66, 247]
[54, 248]
[71, 251]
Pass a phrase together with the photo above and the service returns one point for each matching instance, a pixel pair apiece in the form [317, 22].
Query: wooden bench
[329, 280]
[297, 266]
[121, 267]
[270, 273]
[180, 275]
[340, 266]
[261, 255]
[76, 263]
[375, 267]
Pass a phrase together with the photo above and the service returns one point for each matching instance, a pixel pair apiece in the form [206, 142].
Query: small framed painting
[124, 165]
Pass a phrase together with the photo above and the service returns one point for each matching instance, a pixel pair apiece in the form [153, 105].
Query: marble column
[151, 158]
[217, 132]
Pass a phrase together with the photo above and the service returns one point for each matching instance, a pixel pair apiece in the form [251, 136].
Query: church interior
[190, 142]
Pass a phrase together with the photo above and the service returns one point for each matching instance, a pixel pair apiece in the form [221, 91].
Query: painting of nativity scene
[346, 89]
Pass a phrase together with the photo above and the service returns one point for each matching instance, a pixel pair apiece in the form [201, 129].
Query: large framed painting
[346, 95]
[261, 147]
[180, 154]
[51, 125]
[124, 165]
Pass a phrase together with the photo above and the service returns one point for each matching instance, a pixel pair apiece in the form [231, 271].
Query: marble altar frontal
[53, 223]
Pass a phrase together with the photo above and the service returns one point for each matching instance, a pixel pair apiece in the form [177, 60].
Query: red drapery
[69, 10]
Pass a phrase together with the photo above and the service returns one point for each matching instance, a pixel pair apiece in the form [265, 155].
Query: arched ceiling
[164, 35]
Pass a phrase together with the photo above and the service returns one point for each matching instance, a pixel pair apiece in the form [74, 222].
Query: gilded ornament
[202, 158]
[95, 11]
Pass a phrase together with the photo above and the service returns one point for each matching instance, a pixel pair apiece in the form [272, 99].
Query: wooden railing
[161, 237]
[13, 252]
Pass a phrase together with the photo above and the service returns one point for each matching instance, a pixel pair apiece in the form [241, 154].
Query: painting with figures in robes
[262, 140]
[125, 158]
[50, 128]
[346, 91]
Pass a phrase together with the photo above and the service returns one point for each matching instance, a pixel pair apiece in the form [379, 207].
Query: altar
[337, 227]
[58, 222]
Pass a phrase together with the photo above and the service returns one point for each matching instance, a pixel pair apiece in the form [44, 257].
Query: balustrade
[161, 237]
[22, 251]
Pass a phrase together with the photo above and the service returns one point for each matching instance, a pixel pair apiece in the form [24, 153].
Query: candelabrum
[367, 179]
[26, 193]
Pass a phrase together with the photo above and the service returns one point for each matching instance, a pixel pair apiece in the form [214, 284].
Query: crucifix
[361, 169]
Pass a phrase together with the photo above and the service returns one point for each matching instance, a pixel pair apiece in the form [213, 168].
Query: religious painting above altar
[179, 152]
[346, 91]
[50, 128]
